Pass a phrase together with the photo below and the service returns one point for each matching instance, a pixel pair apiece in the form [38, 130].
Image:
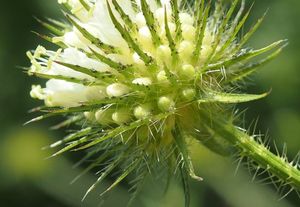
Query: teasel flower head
[143, 79]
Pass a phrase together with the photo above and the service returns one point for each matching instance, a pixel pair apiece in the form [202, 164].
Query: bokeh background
[27, 178]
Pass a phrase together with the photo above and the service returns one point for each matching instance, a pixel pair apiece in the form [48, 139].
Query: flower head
[137, 74]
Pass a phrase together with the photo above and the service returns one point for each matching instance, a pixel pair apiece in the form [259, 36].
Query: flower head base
[137, 75]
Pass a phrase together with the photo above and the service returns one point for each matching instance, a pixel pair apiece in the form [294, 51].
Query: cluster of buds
[144, 77]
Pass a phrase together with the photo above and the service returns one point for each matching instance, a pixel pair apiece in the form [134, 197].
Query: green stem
[210, 166]
[278, 166]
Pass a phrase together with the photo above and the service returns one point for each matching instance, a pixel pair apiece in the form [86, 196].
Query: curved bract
[143, 77]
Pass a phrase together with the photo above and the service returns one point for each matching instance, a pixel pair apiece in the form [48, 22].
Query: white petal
[102, 27]
[117, 90]
[75, 57]
[160, 15]
[63, 93]
[75, 39]
[127, 7]
[140, 19]
[166, 3]
[186, 18]
[188, 32]
[142, 81]
[152, 4]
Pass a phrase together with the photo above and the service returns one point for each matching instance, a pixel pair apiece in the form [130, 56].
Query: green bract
[143, 78]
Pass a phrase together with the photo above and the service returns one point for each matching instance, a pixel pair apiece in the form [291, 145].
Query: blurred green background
[27, 178]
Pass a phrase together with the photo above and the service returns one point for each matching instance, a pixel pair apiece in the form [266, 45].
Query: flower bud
[104, 116]
[121, 116]
[187, 71]
[142, 111]
[117, 90]
[189, 94]
[166, 104]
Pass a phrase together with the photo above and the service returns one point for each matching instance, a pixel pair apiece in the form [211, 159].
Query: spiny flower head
[137, 74]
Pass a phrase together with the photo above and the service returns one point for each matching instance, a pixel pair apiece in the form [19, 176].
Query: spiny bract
[137, 75]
